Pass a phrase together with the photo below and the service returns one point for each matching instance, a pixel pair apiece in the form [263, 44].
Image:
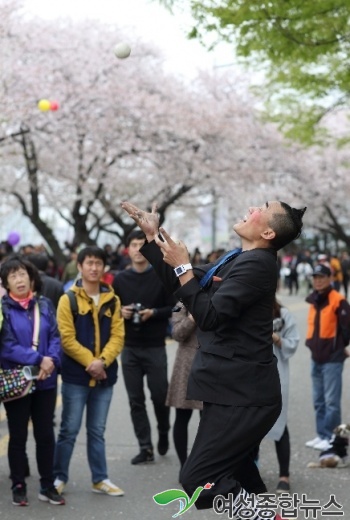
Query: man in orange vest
[328, 334]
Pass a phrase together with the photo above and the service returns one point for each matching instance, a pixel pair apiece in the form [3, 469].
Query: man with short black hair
[92, 338]
[146, 308]
[234, 371]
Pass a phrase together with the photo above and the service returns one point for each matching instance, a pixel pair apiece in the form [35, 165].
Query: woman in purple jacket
[21, 280]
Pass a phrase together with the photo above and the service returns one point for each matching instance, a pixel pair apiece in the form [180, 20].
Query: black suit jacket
[234, 364]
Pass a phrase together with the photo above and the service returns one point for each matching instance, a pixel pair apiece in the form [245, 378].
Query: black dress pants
[223, 451]
[138, 362]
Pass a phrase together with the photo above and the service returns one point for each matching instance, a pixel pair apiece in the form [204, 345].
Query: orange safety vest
[322, 331]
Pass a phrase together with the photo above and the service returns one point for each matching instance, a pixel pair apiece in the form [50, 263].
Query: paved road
[141, 483]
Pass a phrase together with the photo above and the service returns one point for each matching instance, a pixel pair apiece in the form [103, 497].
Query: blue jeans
[74, 399]
[327, 389]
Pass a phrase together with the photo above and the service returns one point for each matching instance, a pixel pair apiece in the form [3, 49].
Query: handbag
[13, 382]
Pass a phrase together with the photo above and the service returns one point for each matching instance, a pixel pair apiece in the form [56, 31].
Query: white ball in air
[122, 50]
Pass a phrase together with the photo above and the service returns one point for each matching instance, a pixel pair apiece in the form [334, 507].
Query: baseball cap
[321, 270]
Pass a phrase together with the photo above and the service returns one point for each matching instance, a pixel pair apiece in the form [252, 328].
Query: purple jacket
[17, 335]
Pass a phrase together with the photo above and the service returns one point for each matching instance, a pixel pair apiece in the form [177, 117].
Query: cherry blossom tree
[127, 130]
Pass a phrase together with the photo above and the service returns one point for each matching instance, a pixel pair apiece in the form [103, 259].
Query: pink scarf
[24, 302]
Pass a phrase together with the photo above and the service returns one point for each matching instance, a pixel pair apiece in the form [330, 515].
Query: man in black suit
[234, 372]
[51, 288]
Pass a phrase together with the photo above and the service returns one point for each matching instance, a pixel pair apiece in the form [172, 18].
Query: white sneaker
[59, 485]
[311, 444]
[108, 488]
[322, 445]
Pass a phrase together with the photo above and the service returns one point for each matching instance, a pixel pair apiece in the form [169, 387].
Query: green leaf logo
[170, 495]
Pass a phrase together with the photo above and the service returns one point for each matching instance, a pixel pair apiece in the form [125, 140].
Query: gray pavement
[140, 483]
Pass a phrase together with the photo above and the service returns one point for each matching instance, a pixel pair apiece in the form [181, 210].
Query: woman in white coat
[285, 339]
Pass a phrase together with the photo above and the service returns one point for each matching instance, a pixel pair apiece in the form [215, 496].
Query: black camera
[136, 318]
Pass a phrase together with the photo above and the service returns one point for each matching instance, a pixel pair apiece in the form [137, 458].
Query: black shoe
[19, 495]
[51, 495]
[143, 457]
[283, 487]
[163, 443]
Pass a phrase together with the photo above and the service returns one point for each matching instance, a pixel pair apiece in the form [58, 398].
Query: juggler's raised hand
[148, 222]
[174, 252]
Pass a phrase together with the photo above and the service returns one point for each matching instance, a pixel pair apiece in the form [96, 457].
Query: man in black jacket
[146, 308]
[234, 372]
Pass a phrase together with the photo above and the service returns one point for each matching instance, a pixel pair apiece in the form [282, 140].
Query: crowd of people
[296, 270]
[105, 303]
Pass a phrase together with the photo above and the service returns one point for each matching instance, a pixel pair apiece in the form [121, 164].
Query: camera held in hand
[136, 317]
[278, 324]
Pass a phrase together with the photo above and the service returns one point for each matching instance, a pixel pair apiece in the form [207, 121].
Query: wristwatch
[182, 269]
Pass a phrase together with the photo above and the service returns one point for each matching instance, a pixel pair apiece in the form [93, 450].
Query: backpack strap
[36, 326]
[73, 303]
[1, 314]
